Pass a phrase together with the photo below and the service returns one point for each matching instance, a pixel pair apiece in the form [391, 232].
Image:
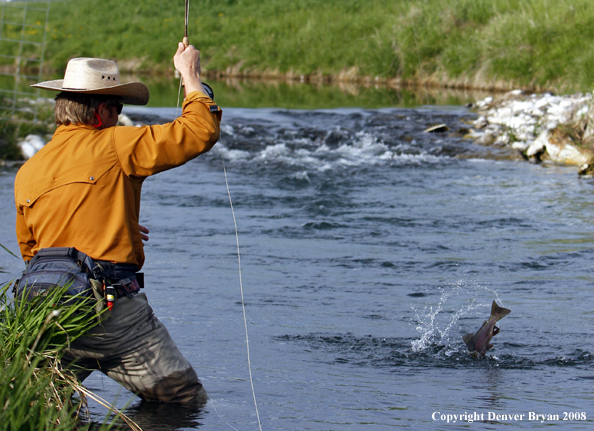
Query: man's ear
[101, 108]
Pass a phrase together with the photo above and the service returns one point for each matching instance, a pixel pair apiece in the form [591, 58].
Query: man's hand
[187, 62]
[143, 233]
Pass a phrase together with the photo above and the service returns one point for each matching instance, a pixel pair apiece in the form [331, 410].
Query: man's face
[109, 114]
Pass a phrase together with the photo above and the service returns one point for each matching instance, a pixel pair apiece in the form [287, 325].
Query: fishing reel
[208, 90]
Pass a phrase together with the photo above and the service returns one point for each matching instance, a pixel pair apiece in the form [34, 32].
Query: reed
[35, 392]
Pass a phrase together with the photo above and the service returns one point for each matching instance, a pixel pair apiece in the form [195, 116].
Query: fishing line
[220, 417]
[247, 340]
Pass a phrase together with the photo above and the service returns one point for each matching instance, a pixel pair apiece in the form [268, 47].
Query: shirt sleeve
[24, 235]
[144, 151]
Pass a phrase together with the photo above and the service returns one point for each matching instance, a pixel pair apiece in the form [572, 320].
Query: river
[368, 248]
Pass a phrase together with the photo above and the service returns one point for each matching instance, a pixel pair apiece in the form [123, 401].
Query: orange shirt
[83, 188]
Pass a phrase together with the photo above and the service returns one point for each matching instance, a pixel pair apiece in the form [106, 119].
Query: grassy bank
[16, 124]
[535, 44]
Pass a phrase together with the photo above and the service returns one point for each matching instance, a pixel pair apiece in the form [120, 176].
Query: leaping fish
[478, 343]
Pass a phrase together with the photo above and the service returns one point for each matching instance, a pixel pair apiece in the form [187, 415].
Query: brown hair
[78, 108]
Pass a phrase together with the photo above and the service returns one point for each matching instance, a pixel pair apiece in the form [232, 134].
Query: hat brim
[132, 93]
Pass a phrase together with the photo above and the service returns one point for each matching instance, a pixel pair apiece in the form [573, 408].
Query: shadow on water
[249, 93]
[161, 416]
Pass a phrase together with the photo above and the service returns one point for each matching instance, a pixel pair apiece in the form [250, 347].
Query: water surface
[368, 248]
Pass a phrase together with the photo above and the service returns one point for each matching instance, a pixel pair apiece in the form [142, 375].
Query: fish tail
[497, 310]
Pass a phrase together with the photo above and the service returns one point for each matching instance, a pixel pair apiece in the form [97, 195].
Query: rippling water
[368, 248]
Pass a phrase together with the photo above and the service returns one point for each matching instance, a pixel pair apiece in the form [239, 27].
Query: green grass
[538, 43]
[35, 394]
[15, 125]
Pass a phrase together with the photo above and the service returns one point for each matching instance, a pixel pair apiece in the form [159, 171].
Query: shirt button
[92, 178]
[28, 200]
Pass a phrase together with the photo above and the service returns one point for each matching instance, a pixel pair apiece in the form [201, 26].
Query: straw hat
[97, 76]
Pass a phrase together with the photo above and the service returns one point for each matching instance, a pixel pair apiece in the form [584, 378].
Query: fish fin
[489, 346]
[496, 309]
[468, 341]
[496, 330]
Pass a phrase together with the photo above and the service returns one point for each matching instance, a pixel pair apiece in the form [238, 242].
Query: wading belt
[80, 275]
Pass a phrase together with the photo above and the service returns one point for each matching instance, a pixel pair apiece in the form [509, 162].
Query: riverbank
[535, 45]
[541, 127]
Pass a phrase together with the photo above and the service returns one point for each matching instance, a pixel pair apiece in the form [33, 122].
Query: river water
[368, 248]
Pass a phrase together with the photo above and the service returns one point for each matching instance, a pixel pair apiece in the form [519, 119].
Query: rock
[520, 146]
[539, 124]
[502, 140]
[485, 102]
[485, 139]
[481, 122]
[587, 169]
[124, 120]
[588, 125]
[31, 145]
[561, 149]
[539, 145]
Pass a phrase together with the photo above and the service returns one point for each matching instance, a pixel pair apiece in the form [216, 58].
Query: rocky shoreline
[541, 127]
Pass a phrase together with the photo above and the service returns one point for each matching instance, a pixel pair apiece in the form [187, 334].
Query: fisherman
[82, 191]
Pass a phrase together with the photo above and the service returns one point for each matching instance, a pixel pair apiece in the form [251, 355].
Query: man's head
[76, 108]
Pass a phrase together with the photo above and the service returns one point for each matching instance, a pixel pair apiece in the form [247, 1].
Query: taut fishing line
[186, 43]
[247, 340]
[187, 11]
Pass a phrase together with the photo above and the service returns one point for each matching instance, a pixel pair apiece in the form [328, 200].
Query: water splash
[457, 300]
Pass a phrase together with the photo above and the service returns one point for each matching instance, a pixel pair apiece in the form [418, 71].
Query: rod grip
[185, 41]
